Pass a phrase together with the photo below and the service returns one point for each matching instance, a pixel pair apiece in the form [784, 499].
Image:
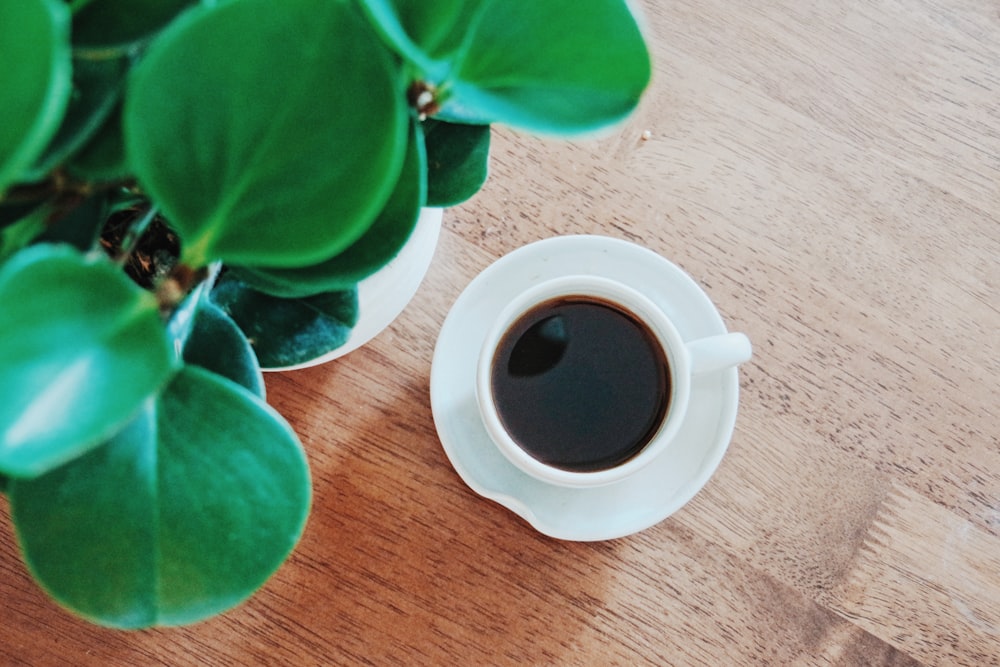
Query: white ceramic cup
[685, 359]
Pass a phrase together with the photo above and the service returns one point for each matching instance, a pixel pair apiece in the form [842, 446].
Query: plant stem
[34, 192]
[181, 282]
[214, 269]
[134, 234]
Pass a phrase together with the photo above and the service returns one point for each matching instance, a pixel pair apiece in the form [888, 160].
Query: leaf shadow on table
[399, 562]
[402, 560]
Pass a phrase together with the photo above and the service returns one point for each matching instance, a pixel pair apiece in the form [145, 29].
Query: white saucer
[584, 514]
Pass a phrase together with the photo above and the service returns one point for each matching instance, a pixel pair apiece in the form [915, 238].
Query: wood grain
[938, 594]
[830, 174]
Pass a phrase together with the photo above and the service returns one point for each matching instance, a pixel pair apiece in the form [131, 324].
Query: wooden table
[829, 172]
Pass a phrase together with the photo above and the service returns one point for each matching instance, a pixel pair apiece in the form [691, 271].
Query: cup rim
[630, 299]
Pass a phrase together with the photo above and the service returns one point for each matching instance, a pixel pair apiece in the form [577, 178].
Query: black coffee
[580, 383]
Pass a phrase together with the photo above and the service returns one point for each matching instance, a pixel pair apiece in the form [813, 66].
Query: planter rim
[383, 296]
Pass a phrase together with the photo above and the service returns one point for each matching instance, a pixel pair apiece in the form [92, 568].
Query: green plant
[171, 169]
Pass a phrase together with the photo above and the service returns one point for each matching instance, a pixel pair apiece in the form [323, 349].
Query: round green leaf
[181, 516]
[81, 348]
[217, 344]
[84, 528]
[558, 67]
[106, 24]
[35, 80]
[288, 332]
[270, 133]
[457, 161]
[379, 245]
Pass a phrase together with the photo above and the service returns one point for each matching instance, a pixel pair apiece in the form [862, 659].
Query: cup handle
[715, 353]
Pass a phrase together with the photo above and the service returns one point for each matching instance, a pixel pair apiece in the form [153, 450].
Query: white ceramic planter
[383, 296]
